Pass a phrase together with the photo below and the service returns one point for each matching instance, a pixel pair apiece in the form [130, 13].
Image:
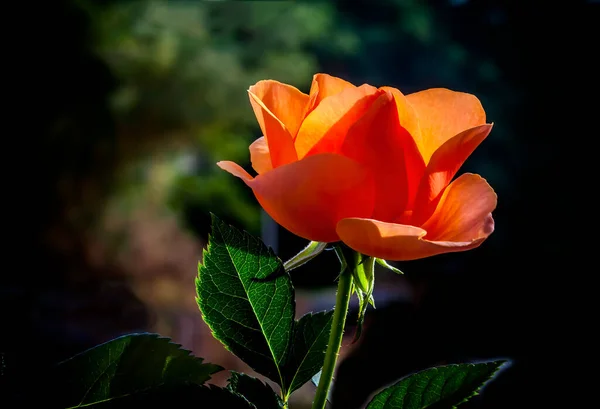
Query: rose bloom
[370, 167]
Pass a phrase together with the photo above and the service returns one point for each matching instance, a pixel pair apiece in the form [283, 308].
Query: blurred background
[125, 106]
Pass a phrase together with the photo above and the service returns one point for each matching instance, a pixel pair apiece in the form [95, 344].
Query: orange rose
[370, 167]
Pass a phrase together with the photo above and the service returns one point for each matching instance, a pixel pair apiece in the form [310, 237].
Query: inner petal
[325, 127]
[379, 142]
[287, 103]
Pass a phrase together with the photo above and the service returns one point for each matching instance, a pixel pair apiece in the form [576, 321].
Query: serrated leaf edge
[491, 376]
[271, 252]
[502, 363]
[145, 334]
[318, 336]
[230, 388]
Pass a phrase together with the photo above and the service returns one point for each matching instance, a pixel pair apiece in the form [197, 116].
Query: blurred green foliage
[183, 68]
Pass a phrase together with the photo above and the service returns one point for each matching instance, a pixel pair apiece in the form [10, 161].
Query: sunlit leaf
[247, 299]
[311, 334]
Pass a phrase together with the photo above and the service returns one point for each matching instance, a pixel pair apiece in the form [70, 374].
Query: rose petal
[235, 170]
[287, 103]
[323, 86]
[464, 211]
[260, 156]
[379, 142]
[310, 196]
[279, 140]
[442, 167]
[324, 129]
[442, 114]
[390, 241]
[406, 113]
[462, 221]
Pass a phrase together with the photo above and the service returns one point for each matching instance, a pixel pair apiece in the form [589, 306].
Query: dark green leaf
[183, 396]
[443, 387]
[125, 366]
[311, 334]
[255, 391]
[246, 298]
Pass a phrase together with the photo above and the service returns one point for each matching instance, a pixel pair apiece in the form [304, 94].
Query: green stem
[340, 312]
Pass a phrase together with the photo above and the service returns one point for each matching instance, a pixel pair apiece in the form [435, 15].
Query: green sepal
[365, 267]
[385, 264]
[312, 250]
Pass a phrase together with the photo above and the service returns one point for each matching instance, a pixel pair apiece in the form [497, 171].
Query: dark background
[110, 172]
